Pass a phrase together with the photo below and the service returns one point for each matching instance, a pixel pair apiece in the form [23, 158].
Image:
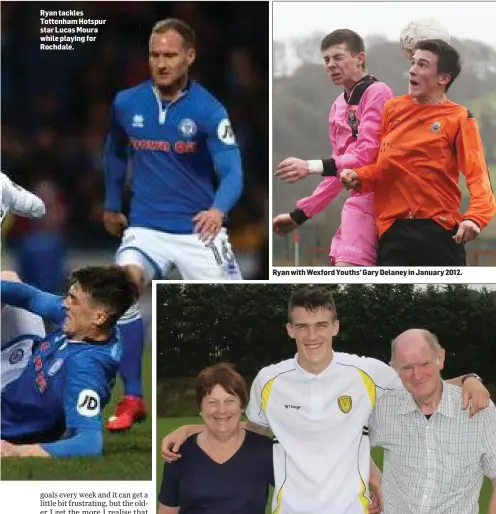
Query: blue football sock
[132, 334]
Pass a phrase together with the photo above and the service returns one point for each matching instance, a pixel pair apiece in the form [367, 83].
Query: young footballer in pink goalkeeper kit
[354, 127]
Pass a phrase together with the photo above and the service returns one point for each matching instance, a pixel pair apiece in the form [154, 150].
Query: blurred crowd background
[55, 107]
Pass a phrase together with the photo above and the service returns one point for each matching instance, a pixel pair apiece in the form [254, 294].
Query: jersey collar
[313, 375]
[356, 86]
[110, 339]
[162, 109]
[186, 89]
[446, 406]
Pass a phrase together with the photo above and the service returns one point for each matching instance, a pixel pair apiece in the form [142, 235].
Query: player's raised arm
[367, 174]
[255, 411]
[115, 160]
[22, 295]
[471, 162]
[360, 152]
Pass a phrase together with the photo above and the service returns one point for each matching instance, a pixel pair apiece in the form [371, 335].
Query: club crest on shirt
[352, 118]
[435, 128]
[345, 404]
[187, 127]
[16, 356]
[138, 121]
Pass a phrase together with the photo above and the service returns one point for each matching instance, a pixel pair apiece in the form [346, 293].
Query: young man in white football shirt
[317, 405]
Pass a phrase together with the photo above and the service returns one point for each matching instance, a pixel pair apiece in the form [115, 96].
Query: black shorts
[420, 242]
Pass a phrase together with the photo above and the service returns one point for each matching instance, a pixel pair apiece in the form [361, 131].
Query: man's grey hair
[431, 339]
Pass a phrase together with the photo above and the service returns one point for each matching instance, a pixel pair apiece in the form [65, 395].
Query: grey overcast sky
[464, 20]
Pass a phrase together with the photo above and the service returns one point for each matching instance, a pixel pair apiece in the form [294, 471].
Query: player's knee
[137, 275]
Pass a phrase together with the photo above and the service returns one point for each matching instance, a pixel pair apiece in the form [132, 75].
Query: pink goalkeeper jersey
[350, 152]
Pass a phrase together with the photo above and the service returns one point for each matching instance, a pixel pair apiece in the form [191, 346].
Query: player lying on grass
[354, 126]
[426, 140]
[54, 408]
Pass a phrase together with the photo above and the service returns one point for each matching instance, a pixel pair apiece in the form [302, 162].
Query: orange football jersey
[423, 149]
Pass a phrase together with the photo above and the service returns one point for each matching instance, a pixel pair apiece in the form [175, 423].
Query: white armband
[316, 166]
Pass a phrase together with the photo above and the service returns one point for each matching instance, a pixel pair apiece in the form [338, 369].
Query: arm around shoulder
[253, 427]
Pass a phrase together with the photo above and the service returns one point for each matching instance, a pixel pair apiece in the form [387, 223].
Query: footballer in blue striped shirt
[54, 407]
[186, 175]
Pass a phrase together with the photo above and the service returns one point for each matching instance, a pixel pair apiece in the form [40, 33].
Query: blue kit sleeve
[115, 158]
[86, 390]
[226, 156]
[46, 305]
[81, 443]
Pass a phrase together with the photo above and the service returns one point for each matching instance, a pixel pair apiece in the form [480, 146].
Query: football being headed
[418, 30]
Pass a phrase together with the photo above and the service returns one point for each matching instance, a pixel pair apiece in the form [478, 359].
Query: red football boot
[130, 410]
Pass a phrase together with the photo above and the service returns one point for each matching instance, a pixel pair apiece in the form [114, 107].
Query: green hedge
[200, 324]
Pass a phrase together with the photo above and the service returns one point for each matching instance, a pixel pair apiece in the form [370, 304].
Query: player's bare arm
[115, 223]
[253, 427]
[208, 223]
[283, 224]
[467, 231]
[292, 169]
[349, 179]
[474, 393]
[173, 442]
[375, 483]
[22, 450]
[492, 503]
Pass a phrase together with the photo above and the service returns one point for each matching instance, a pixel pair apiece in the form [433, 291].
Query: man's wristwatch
[471, 375]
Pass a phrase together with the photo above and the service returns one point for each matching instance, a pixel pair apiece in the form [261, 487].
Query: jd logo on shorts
[88, 403]
[345, 403]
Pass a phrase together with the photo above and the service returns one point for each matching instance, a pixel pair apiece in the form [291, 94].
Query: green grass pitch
[128, 455]
[167, 425]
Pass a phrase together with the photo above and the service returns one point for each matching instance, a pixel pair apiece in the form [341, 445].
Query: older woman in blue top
[224, 469]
